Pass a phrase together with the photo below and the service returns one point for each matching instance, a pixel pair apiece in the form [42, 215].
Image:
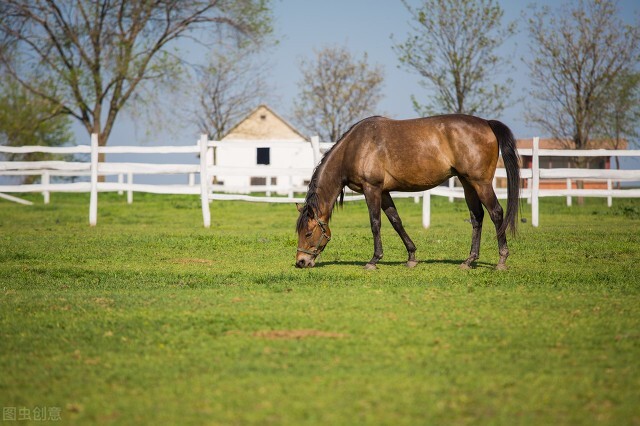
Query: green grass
[149, 318]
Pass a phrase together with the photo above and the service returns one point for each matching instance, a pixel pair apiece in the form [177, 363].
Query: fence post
[315, 146]
[93, 200]
[452, 184]
[269, 183]
[609, 198]
[45, 182]
[569, 187]
[426, 209]
[129, 190]
[204, 181]
[120, 183]
[210, 156]
[290, 186]
[535, 187]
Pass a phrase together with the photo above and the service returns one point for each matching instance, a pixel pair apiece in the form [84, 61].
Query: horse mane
[311, 203]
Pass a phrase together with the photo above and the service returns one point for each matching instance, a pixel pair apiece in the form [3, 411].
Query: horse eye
[308, 234]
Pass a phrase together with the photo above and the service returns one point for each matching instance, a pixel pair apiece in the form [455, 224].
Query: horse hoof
[501, 267]
[465, 266]
[370, 267]
[412, 263]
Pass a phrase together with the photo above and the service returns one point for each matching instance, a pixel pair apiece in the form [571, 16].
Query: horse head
[313, 236]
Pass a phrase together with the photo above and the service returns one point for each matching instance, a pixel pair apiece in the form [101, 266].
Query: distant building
[263, 140]
[264, 124]
[547, 162]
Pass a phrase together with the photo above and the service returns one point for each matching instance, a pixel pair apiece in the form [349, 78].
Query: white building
[265, 142]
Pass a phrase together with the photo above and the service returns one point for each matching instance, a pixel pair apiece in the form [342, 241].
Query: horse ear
[299, 207]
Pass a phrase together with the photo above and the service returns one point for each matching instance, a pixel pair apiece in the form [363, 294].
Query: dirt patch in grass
[297, 334]
[192, 261]
[104, 302]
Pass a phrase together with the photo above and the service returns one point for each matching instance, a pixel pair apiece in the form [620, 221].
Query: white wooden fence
[534, 175]
[206, 170]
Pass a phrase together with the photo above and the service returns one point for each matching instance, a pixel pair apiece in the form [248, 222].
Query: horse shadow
[476, 264]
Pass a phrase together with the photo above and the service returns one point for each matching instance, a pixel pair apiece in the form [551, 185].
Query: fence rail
[210, 191]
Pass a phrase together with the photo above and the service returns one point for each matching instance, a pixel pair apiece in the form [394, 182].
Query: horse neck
[330, 183]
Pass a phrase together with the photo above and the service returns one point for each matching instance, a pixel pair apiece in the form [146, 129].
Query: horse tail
[511, 159]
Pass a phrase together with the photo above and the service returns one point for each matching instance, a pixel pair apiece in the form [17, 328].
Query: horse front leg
[390, 210]
[373, 197]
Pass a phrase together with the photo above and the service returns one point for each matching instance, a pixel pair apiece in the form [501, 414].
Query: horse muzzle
[305, 261]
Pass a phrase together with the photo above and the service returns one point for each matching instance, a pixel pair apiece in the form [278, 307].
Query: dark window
[264, 156]
[555, 162]
[260, 181]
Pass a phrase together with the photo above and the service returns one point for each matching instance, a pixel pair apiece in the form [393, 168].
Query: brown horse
[379, 155]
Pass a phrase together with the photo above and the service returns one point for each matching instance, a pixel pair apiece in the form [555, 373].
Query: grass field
[149, 318]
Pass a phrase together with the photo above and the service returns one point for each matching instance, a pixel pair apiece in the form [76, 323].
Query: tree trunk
[581, 163]
[101, 159]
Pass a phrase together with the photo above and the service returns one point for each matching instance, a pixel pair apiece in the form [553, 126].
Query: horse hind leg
[476, 215]
[389, 208]
[490, 202]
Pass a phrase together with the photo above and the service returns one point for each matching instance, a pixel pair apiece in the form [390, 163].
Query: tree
[453, 47]
[228, 88]
[621, 113]
[336, 90]
[29, 120]
[88, 58]
[579, 54]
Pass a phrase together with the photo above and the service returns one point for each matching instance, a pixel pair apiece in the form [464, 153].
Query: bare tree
[228, 87]
[621, 114]
[88, 58]
[336, 90]
[579, 53]
[452, 45]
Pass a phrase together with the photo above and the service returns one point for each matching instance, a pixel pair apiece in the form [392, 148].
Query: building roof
[264, 123]
[551, 143]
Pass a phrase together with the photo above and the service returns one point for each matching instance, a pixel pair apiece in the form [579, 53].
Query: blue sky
[366, 26]
[362, 26]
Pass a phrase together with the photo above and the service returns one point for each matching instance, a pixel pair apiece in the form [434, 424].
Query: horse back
[418, 154]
